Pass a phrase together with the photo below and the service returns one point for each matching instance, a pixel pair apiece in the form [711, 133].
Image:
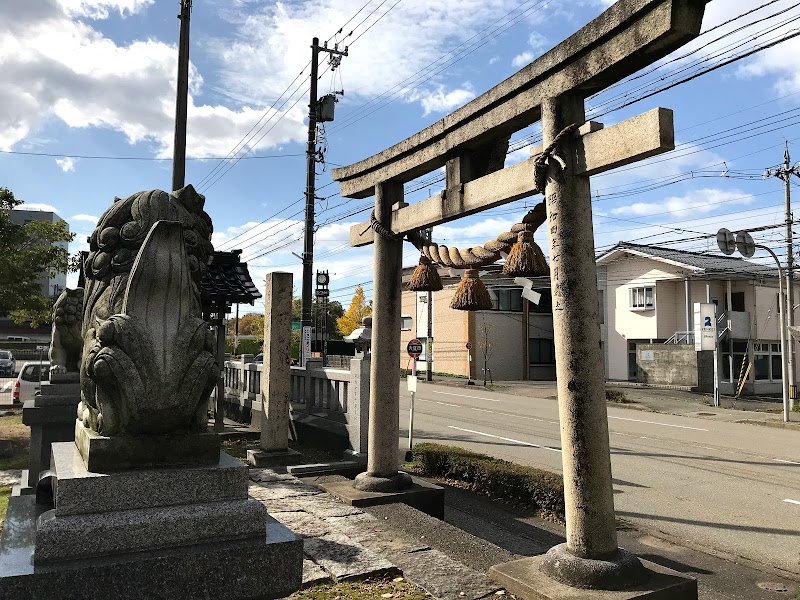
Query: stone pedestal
[422, 495]
[51, 417]
[147, 533]
[525, 580]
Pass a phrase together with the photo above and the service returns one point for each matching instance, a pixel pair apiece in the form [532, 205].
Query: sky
[96, 78]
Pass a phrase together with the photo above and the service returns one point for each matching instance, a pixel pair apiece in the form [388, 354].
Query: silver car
[29, 380]
[6, 363]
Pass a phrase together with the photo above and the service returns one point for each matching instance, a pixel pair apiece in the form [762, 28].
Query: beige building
[647, 295]
[498, 338]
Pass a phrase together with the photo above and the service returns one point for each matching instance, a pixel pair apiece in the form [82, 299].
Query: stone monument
[144, 504]
[51, 414]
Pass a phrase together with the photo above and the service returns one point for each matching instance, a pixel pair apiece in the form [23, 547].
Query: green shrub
[493, 477]
[617, 396]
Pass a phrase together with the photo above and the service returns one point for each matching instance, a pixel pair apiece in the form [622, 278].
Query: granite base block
[266, 567]
[274, 458]
[102, 454]
[79, 491]
[73, 537]
[422, 495]
[524, 579]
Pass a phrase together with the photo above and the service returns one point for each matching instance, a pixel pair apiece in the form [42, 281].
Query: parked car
[18, 338]
[6, 363]
[29, 380]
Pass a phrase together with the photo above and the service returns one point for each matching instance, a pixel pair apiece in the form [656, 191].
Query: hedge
[531, 487]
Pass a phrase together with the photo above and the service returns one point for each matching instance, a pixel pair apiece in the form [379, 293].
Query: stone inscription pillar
[384, 400]
[276, 375]
[588, 492]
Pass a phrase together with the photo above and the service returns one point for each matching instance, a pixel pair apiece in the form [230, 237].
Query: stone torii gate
[471, 143]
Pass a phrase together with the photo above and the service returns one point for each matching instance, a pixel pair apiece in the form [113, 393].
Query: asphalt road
[730, 487]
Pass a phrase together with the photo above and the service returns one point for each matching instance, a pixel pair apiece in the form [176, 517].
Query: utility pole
[429, 349]
[785, 174]
[181, 99]
[311, 163]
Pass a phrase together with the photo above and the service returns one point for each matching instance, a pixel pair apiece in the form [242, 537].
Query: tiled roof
[228, 280]
[711, 263]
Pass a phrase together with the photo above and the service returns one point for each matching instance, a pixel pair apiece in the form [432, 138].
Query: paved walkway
[341, 542]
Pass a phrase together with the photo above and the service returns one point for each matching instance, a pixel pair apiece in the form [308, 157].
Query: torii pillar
[628, 36]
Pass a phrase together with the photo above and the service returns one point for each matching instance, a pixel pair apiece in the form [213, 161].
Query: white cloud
[702, 201]
[440, 100]
[38, 206]
[520, 60]
[67, 164]
[101, 9]
[56, 66]
[89, 218]
[538, 42]
[269, 52]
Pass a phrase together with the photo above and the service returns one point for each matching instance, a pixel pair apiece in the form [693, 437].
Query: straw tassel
[425, 277]
[525, 259]
[471, 293]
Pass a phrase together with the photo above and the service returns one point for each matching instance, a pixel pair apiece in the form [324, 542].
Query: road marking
[448, 404]
[788, 462]
[656, 423]
[505, 439]
[466, 396]
[792, 501]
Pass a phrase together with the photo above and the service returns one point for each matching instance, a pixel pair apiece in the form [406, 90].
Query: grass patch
[311, 454]
[14, 442]
[617, 396]
[5, 494]
[519, 485]
[796, 408]
[370, 589]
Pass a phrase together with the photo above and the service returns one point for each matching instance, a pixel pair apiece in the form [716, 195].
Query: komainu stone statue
[66, 343]
[148, 364]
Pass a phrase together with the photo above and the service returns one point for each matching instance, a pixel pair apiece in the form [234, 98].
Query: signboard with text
[414, 348]
[705, 326]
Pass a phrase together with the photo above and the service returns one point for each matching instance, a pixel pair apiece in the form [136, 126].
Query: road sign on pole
[414, 348]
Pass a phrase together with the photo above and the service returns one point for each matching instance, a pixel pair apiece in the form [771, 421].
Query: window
[541, 351]
[31, 373]
[601, 307]
[643, 298]
[767, 361]
[406, 322]
[509, 299]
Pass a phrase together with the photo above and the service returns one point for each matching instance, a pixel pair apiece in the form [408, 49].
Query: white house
[647, 295]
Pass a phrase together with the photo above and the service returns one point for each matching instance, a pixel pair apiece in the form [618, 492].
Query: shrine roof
[228, 280]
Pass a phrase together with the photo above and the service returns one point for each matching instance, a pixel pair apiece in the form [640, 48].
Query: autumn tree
[27, 252]
[249, 324]
[359, 309]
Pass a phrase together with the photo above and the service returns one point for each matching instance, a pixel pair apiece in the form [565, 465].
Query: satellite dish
[726, 241]
[745, 244]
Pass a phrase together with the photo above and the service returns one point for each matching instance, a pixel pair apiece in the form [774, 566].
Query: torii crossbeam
[471, 144]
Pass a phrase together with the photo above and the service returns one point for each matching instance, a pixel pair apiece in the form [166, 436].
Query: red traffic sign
[414, 348]
[469, 345]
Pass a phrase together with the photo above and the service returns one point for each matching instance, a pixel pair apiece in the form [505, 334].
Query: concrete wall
[675, 364]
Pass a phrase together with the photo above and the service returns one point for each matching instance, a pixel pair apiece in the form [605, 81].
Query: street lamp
[743, 242]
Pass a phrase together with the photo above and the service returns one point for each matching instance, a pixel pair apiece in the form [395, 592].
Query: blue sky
[96, 78]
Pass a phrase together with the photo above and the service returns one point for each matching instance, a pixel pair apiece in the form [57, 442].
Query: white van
[29, 380]
[18, 338]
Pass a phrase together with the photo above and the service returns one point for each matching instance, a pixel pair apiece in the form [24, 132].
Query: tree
[249, 324]
[486, 345]
[359, 309]
[335, 311]
[26, 253]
